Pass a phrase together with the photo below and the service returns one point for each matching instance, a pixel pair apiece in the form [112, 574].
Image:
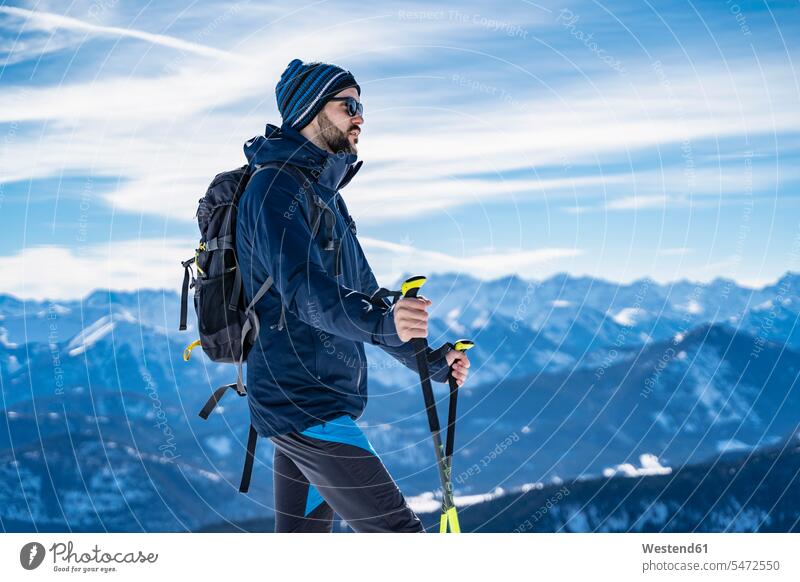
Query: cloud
[186, 122]
[637, 202]
[392, 260]
[38, 20]
[123, 265]
[165, 116]
[408, 196]
[155, 263]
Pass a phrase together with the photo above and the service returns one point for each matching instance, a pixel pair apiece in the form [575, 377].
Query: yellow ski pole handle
[412, 283]
[463, 345]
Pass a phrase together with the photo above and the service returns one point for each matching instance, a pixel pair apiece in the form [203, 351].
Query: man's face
[336, 128]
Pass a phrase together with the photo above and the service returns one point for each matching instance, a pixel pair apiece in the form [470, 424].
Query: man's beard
[336, 140]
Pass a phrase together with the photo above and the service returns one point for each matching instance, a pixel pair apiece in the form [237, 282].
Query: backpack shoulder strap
[318, 207]
[296, 172]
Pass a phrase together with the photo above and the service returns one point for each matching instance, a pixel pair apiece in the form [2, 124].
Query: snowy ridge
[95, 332]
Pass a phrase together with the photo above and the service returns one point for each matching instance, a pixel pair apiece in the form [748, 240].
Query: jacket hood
[285, 144]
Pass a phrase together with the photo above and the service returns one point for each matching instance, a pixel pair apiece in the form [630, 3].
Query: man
[306, 374]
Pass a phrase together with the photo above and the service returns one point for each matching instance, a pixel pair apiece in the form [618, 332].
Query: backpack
[227, 327]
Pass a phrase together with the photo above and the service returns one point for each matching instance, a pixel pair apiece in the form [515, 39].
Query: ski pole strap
[212, 402]
[451, 417]
[440, 352]
[462, 346]
[247, 470]
[421, 347]
[410, 289]
[377, 298]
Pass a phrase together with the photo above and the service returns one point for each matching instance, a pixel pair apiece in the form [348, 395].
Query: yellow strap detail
[443, 523]
[187, 353]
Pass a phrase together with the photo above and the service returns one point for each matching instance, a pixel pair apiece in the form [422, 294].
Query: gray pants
[333, 468]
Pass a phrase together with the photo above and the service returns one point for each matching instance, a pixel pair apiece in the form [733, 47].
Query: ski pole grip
[463, 345]
[412, 285]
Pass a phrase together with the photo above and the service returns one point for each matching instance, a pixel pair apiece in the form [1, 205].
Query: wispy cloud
[392, 260]
[637, 202]
[153, 263]
[121, 136]
[36, 19]
[147, 263]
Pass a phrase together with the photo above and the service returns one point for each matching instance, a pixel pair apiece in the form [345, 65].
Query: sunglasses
[353, 107]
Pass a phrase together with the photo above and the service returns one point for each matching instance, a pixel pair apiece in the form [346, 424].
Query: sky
[617, 140]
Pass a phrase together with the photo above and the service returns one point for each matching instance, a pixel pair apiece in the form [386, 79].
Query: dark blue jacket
[309, 366]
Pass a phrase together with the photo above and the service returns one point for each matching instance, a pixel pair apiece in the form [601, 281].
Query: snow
[4, 339]
[650, 465]
[577, 522]
[424, 503]
[97, 331]
[481, 320]
[655, 513]
[13, 364]
[692, 307]
[429, 502]
[766, 305]
[730, 445]
[52, 308]
[629, 316]
[708, 377]
[452, 320]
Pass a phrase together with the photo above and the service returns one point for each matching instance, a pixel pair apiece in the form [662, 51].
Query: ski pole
[449, 514]
[410, 288]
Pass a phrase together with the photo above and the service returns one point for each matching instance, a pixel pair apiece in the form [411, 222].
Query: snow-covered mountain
[571, 377]
[716, 496]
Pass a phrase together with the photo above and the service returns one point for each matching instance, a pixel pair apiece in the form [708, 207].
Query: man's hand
[459, 364]
[411, 317]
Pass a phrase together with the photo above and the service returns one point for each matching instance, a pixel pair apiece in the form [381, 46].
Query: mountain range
[573, 379]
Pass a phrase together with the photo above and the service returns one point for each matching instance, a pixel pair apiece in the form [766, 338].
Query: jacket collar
[287, 145]
[328, 169]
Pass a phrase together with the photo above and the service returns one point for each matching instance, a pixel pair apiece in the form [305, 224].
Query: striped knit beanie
[304, 89]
